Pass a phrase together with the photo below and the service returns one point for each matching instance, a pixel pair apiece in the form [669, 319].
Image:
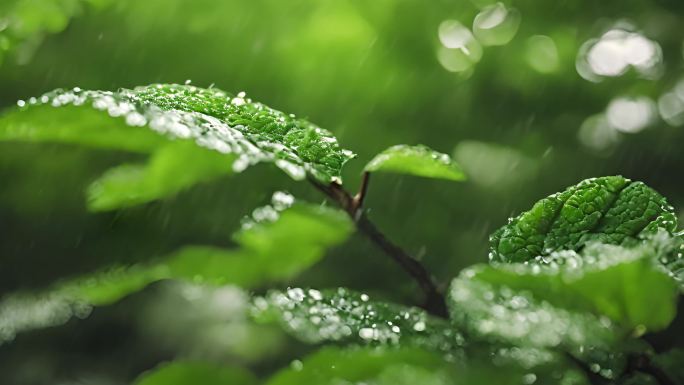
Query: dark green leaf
[609, 209]
[416, 160]
[191, 373]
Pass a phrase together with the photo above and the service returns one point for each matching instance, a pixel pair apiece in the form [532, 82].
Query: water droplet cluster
[218, 121]
[343, 315]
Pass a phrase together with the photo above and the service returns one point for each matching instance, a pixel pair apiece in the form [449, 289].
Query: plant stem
[434, 299]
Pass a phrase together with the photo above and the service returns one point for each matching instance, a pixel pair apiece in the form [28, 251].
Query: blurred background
[528, 96]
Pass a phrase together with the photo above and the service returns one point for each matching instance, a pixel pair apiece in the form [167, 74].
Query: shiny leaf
[417, 161]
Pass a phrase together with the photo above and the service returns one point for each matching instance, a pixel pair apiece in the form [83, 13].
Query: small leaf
[346, 316]
[597, 298]
[251, 131]
[190, 373]
[609, 209]
[171, 169]
[416, 160]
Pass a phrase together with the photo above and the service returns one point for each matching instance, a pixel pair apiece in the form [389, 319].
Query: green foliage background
[365, 70]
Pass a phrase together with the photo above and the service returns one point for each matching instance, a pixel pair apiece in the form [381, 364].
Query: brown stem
[434, 299]
[357, 202]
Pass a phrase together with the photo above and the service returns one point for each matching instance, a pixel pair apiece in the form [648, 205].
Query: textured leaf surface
[276, 243]
[594, 299]
[416, 160]
[187, 373]
[609, 209]
[346, 316]
[214, 119]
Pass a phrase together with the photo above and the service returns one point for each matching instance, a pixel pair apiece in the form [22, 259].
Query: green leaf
[346, 316]
[411, 366]
[609, 209]
[190, 373]
[416, 160]
[251, 131]
[598, 298]
[363, 365]
[278, 242]
[171, 169]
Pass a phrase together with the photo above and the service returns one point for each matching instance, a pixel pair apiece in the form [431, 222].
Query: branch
[434, 299]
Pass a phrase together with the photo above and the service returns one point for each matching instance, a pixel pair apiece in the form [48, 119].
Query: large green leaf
[416, 160]
[212, 118]
[609, 209]
[276, 243]
[346, 316]
[191, 373]
[597, 298]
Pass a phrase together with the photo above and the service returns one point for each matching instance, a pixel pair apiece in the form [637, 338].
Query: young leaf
[187, 373]
[280, 241]
[172, 168]
[252, 131]
[609, 209]
[572, 300]
[346, 316]
[416, 160]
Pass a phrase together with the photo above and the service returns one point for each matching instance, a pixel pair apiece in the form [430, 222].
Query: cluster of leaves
[572, 284]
